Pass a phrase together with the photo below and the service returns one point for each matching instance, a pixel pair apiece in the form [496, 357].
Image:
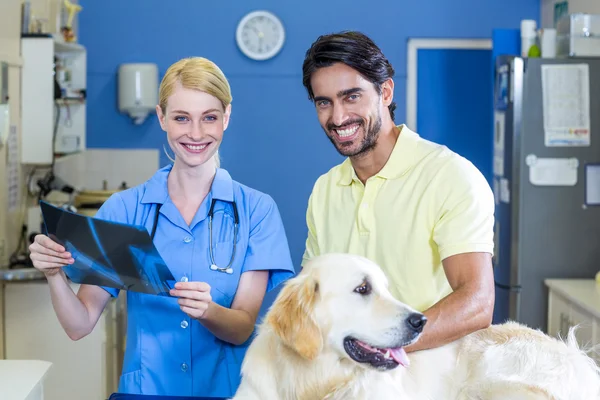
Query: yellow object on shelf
[88, 202]
[67, 30]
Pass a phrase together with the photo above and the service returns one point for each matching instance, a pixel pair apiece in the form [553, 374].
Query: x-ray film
[107, 253]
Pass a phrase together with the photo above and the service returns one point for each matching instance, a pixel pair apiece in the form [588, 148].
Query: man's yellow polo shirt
[427, 203]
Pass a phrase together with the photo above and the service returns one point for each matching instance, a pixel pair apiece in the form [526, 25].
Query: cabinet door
[586, 326]
[563, 315]
[81, 369]
[558, 315]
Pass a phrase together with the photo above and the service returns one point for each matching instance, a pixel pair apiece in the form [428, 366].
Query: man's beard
[368, 142]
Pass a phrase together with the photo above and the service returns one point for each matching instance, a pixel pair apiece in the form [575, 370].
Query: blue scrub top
[167, 352]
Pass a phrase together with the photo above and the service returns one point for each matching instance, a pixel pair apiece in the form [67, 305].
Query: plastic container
[578, 35]
[528, 36]
[548, 43]
[579, 25]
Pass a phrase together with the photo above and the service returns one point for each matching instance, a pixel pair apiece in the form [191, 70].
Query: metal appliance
[546, 180]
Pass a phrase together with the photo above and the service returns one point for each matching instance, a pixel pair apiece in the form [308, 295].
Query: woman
[191, 344]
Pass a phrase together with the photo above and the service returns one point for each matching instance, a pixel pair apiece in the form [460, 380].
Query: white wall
[575, 6]
[10, 53]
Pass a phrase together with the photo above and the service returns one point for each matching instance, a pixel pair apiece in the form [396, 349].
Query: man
[422, 212]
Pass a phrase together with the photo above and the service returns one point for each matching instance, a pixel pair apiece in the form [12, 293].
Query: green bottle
[534, 52]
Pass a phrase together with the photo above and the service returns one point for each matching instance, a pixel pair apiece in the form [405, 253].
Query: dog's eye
[363, 289]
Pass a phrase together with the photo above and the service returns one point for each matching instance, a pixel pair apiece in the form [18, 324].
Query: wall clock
[260, 35]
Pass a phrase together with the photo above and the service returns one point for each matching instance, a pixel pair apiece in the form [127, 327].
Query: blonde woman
[191, 344]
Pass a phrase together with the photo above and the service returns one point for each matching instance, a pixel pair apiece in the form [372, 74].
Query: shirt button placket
[184, 324]
[366, 210]
[187, 239]
[363, 210]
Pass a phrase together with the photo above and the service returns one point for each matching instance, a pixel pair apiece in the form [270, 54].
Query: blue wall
[460, 124]
[274, 142]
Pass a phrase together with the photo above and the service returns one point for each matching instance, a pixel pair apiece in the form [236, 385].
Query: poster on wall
[13, 169]
[561, 8]
[566, 105]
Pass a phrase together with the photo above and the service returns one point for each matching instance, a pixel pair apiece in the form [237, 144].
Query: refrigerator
[546, 180]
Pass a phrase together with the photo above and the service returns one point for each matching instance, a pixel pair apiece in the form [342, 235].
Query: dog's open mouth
[379, 358]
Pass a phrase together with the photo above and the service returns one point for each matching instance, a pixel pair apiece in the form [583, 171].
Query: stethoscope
[236, 221]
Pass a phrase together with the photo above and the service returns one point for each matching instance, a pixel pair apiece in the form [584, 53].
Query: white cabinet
[575, 302]
[23, 379]
[84, 369]
[53, 94]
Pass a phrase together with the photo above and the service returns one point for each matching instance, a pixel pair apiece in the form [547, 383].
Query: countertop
[583, 292]
[22, 379]
[26, 274]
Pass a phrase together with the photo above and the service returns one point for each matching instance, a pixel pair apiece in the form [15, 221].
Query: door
[453, 82]
[454, 102]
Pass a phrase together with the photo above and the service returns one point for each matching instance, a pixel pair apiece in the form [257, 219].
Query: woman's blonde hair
[196, 73]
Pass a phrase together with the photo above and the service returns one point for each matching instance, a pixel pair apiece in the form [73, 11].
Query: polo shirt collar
[401, 159]
[222, 186]
[157, 191]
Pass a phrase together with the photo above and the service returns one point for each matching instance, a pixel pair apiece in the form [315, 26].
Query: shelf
[70, 101]
[66, 47]
[44, 58]
[60, 46]
[61, 157]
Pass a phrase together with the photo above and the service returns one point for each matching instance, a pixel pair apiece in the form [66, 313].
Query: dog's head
[341, 303]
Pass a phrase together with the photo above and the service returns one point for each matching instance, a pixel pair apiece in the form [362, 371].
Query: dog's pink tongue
[400, 356]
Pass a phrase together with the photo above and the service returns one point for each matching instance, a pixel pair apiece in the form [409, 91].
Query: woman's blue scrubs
[167, 352]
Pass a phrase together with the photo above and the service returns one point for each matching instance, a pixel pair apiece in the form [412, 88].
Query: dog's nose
[416, 322]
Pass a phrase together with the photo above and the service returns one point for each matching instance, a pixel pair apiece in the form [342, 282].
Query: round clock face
[260, 35]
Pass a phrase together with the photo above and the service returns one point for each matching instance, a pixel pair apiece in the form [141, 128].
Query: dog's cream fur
[299, 353]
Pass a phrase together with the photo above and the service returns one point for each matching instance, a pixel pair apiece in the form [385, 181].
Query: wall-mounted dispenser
[138, 90]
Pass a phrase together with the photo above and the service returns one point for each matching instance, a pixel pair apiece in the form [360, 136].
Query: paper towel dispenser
[138, 90]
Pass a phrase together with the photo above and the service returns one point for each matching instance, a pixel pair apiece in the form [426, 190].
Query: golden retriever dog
[335, 332]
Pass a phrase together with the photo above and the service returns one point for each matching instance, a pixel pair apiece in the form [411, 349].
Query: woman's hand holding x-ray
[193, 298]
[48, 256]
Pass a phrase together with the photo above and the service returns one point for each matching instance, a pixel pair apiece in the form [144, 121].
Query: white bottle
[548, 40]
[528, 35]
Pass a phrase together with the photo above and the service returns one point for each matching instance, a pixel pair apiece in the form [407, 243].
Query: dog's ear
[291, 316]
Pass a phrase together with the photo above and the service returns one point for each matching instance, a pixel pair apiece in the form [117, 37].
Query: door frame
[416, 44]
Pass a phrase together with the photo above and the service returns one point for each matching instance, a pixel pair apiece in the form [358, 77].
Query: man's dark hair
[354, 49]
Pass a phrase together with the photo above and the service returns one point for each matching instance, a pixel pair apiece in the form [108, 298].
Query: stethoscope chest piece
[228, 270]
